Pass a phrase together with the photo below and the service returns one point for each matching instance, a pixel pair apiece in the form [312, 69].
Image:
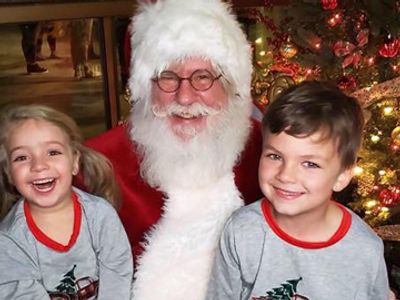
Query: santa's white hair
[195, 174]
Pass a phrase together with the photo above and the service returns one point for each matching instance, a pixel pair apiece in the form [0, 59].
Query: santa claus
[189, 155]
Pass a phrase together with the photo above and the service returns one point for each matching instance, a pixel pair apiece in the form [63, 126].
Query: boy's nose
[287, 173]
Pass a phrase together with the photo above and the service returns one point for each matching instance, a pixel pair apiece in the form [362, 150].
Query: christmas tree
[356, 44]
[287, 291]
[67, 284]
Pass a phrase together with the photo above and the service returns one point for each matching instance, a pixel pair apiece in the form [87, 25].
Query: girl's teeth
[44, 185]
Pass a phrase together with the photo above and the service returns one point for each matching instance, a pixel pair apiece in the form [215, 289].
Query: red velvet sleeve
[246, 170]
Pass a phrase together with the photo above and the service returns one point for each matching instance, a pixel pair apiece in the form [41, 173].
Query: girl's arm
[114, 255]
[19, 276]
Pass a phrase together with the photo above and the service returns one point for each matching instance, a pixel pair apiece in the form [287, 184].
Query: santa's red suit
[142, 205]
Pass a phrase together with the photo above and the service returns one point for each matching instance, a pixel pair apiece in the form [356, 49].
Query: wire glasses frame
[201, 80]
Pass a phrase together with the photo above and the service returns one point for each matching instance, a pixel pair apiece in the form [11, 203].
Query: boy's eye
[273, 156]
[310, 164]
[54, 152]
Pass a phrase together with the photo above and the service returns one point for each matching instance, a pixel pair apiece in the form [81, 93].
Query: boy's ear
[343, 179]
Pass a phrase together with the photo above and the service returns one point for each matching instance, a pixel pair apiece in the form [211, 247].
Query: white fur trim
[177, 266]
[171, 30]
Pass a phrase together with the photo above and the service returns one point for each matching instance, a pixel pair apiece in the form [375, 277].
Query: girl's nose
[39, 164]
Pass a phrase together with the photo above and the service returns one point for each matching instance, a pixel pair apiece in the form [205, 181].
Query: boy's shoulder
[248, 211]
[361, 233]
[247, 217]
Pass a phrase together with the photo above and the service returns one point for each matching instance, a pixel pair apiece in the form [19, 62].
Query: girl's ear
[343, 179]
[75, 162]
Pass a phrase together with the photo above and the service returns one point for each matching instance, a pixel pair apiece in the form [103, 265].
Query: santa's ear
[343, 179]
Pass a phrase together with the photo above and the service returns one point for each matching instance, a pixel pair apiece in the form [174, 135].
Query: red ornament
[347, 83]
[329, 4]
[394, 147]
[390, 48]
[261, 103]
[352, 54]
[335, 19]
[386, 197]
[389, 197]
[352, 59]
[341, 48]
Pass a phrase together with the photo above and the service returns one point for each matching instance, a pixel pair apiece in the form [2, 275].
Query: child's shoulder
[362, 233]
[93, 203]
[14, 220]
[246, 226]
[248, 216]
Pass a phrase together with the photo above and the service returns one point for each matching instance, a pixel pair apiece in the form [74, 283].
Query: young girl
[57, 242]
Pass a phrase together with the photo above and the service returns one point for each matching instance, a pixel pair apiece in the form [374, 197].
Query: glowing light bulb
[388, 110]
[358, 170]
[371, 203]
[370, 61]
[375, 138]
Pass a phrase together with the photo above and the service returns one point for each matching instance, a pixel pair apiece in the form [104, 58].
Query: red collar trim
[337, 236]
[47, 241]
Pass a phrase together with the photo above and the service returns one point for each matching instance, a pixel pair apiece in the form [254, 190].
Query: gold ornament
[388, 177]
[288, 50]
[278, 85]
[396, 135]
[366, 184]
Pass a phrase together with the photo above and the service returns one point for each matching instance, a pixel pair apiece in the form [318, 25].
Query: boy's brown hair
[311, 106]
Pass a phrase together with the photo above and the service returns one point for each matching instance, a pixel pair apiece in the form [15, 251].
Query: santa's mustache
[184, 111]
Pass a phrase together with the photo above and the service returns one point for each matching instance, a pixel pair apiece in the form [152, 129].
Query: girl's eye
[273, 156]
[310, 164]
[20, 158]
[54, 152]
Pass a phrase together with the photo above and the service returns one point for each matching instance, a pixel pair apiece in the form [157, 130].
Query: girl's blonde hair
[96, 169]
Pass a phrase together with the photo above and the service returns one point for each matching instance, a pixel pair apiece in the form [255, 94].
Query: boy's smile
[287, 194]
[298, 175]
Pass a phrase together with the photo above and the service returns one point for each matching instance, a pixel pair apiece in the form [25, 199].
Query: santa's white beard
[197, 179]
[168, 161]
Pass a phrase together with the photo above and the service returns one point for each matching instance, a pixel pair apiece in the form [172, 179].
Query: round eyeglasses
[200, 80]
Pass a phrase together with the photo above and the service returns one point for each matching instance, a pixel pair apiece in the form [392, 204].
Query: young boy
[297, 243]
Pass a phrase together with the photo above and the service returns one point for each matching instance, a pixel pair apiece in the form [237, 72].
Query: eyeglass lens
[200, 80]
